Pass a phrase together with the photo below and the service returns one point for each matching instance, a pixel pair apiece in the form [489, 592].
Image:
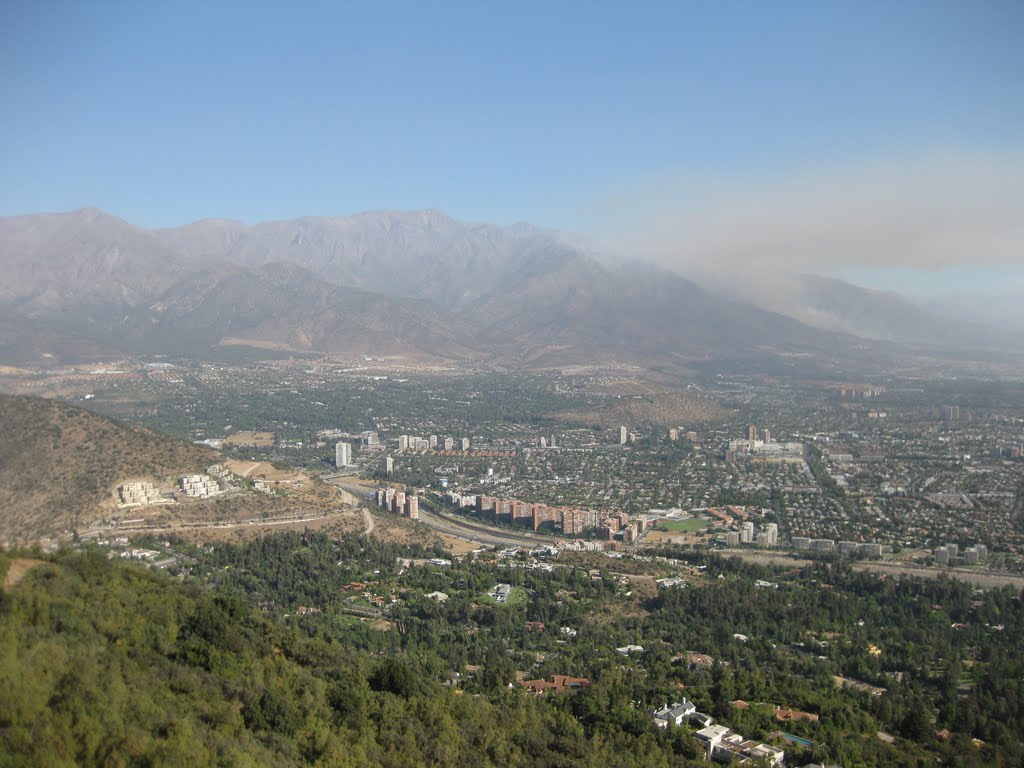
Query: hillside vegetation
[59, 463]
[272, 653]
[103, 663]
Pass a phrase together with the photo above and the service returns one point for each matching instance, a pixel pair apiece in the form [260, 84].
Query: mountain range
[420, 285]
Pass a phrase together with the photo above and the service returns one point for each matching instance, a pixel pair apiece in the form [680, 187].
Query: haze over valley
[428, 385]
[86, 285]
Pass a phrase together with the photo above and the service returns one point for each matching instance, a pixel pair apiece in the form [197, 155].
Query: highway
[482, 534]
[460, 527]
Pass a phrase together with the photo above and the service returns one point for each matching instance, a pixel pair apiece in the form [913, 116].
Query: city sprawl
[913, 470]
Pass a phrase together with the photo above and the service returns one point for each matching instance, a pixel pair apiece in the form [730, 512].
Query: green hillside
[105, 663]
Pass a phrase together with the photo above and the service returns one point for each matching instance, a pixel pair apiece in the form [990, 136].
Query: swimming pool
[797, 740]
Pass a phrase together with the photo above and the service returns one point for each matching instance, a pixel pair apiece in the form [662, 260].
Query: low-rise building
[626, 650]
[200, 486]
[676, 713]
[141, 494]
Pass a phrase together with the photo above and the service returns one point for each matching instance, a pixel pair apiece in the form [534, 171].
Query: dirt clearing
[17, 570]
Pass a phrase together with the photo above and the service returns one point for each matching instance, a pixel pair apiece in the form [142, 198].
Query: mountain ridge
[414, 283]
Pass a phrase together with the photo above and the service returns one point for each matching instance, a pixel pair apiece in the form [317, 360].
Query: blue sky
[544, 112]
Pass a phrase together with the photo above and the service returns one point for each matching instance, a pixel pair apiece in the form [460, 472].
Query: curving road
[482, 534]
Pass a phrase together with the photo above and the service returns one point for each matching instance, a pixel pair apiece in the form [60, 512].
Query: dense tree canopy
[267, 654]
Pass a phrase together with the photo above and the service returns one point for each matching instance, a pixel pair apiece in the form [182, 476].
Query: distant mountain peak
[417, 283]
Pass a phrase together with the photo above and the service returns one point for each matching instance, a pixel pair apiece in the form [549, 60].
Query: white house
[677, 713]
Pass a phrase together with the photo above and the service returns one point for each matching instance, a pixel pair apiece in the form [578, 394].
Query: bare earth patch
[458, 546]
[333, 525]
[17, 570]
[672, 537]
[643, 587]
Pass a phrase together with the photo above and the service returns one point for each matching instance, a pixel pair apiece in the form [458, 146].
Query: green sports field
[682, 526]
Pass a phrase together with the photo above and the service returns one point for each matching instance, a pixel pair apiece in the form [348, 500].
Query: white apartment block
[139, 494]
[747, 533]
[200, 486]
[343, 455]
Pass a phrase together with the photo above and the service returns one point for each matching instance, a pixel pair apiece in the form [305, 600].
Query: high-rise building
[403, 442]
[766, 436]
[747, 533]
[951, 412]
[433, 442]
[623, 436]
[464, 444]
[412, 507]
[389, 466]
[772, 530]
[522, 513]
[503, 509]
[673, 434]
[449, 443]
[751, 432]
[343, 455]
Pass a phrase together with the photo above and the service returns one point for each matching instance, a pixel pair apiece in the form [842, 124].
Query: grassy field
[516, 598]
[259, 439]
[682, 526]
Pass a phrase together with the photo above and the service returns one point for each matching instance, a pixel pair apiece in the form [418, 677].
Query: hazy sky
[755, 118]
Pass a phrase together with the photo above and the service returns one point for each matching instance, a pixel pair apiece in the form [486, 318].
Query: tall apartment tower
[951, 412]
[389, 466]
[747, 533]
[412, 507]
[623, 436]
[751, 432]
[343, 455]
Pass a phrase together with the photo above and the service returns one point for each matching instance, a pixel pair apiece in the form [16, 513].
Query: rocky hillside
[60, 464]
